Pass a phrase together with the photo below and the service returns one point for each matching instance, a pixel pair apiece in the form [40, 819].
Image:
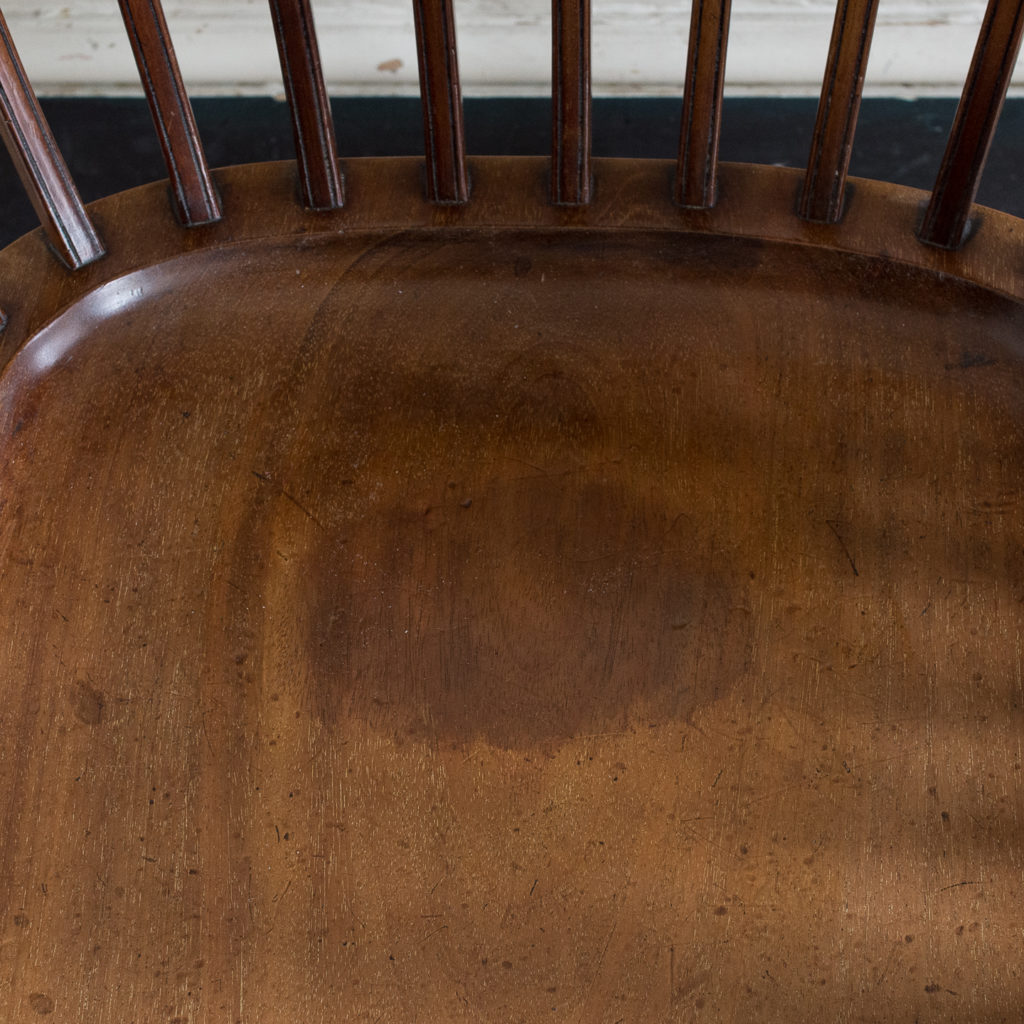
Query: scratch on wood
[600, 968]
[430, 935]
[671, 976]
[291, 497]
[846, 551]
[309, 515]
[888, 964]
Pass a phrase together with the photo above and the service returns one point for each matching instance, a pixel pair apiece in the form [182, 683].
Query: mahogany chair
[478, 589]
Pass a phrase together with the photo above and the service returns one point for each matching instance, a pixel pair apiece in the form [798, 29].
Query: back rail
[824, 187]
[315, 148]
[195, 196]
[570, 103]
[444, 136]
[696, 180]
[945, 220]
[40, 165]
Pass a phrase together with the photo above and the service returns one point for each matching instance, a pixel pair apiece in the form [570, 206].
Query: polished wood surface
[528, 604]
[512, 612]
[443, 132]
[39, 163]
[995, 55]
[313, 128]
[195, 197]
[824, 188]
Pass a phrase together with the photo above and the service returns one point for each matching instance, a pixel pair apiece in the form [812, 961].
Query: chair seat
[576, 622]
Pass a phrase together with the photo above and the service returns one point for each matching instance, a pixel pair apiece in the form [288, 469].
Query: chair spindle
[447, 179]
[40, 165]
[571, 102]
[995, 55]
[315, 147]
[825, 183]
[697, 171]
[194, 192]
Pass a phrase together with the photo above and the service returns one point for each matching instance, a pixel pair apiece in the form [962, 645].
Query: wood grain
[421, 612]
[444, 137]
[570, 102]
[696, 172]
[824, 187]
[40, 165]
[195, 197]
[945, 220]
[312, 124]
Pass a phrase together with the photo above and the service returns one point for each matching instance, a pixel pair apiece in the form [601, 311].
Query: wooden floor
[541, 626]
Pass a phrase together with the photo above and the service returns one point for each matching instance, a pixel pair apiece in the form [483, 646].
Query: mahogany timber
[441, 96]
[571, 107]
[995, 56]
[512, 612]
[39, 163]
[697, 166]
[312, 125]
[195, 197]
[829, 160]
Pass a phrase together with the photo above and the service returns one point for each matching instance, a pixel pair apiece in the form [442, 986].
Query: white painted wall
[226, 46]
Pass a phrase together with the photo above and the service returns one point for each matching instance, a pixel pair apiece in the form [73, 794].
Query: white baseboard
[226, 48]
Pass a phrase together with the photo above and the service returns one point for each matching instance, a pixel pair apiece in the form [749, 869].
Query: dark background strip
[110, 144]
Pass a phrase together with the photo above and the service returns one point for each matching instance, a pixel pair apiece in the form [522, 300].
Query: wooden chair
[478, 589]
